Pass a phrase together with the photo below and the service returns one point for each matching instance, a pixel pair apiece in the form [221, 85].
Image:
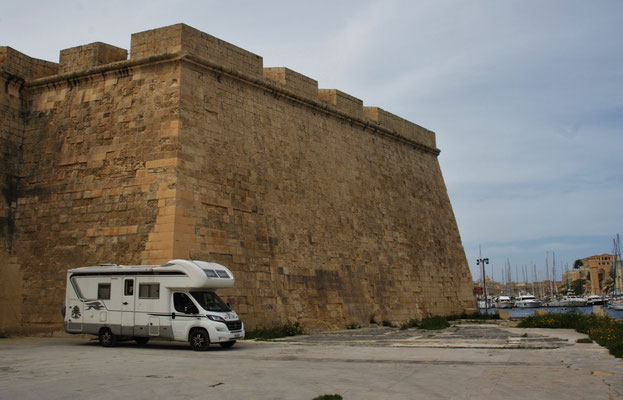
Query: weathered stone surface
[328, 212]
[81, 58]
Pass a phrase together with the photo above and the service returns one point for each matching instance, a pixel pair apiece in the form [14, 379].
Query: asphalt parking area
[464, 362]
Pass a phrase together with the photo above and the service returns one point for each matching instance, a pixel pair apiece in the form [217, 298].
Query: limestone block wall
[15, 70]
[95, 172]
[323, 218]
[327, 211]
[321, 221]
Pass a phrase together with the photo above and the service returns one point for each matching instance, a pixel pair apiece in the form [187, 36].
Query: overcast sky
[526, 97]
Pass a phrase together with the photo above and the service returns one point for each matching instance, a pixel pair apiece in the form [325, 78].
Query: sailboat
[616, 299]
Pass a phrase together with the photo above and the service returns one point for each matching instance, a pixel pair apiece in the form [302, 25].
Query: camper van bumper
[72, 327]
[220, 333]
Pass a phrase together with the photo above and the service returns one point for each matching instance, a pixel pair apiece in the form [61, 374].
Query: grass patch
[605, 331]
[412, 323]
[288, 329]
[584, 340]
[433, 323]
[328, 397]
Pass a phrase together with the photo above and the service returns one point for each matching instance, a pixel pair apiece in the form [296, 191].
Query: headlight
[216, 318]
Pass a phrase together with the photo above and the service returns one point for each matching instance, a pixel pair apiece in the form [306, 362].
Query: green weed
[288, 329]
[433, 323]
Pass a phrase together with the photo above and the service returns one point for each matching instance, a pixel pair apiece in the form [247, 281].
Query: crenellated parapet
[293, 81]
[20, 65]
[181, 41]
[183, 38]
[342, 101]
[407, 129]
[88, 56]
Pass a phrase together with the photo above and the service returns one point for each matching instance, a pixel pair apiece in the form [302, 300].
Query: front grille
[234, 325]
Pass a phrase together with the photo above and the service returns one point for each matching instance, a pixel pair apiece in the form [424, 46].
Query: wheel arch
[195, 328]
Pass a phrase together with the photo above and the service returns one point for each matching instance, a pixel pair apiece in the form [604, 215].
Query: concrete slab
[473, 361]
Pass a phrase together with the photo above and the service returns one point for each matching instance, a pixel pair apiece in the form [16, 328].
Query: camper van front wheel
[107, 338]
[199, 340]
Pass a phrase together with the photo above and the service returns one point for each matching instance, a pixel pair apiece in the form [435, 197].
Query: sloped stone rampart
[328, 212]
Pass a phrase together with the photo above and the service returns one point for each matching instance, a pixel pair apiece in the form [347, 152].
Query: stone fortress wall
[327, 212]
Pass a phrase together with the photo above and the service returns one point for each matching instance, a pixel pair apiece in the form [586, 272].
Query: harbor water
[526, 312]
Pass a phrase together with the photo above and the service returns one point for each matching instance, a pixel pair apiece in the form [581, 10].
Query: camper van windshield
[209, 301]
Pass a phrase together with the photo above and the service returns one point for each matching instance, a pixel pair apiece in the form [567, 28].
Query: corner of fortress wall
[15, 69]
[105, 160]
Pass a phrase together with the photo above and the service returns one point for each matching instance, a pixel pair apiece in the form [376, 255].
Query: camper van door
[127, 307]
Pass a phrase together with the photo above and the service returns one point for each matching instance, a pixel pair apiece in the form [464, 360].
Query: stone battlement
[183, 38]
[83, 58]
[20, 65]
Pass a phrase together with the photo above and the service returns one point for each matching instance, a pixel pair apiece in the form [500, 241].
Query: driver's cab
[183, 304]
[204, 309]
[205, 302]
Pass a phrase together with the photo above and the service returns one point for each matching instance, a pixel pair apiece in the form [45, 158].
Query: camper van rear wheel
[107, 338]
[199, 340]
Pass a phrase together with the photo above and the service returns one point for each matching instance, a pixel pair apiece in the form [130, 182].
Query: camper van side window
[103, 291]
[128, 289]
[149, 291]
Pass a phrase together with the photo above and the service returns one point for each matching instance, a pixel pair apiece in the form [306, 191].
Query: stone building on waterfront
[596, 270]
[327, 212]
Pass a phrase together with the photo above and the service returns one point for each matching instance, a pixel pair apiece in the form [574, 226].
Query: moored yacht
[503, 302]
[595, 300]
[527, 300]
[616, 302]
[572, 300]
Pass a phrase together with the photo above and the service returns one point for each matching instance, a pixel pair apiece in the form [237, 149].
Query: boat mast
[547, 269]
[535, 289]
[616, 261]
[554, 275]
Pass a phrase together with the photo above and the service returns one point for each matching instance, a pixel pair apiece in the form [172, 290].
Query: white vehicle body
[174, 301]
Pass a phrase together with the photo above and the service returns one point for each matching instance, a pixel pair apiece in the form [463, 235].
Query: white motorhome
[175, 301]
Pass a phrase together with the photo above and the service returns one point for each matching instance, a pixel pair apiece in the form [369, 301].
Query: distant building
[596, 270]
